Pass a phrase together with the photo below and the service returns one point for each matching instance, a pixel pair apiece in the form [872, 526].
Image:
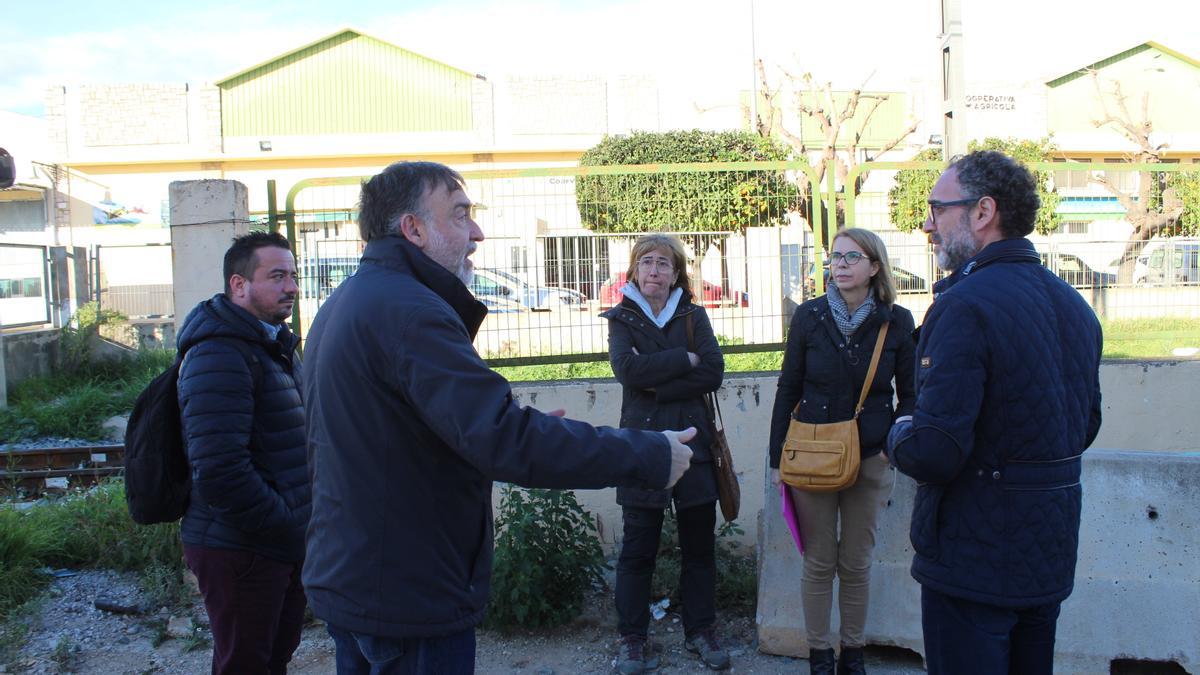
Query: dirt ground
[68, 633]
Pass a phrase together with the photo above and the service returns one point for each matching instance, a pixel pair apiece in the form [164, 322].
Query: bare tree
[838, 148]
[1146, 212]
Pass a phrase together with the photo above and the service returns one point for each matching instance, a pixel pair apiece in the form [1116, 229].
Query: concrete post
[205, 217]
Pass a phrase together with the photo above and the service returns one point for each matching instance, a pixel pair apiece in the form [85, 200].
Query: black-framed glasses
[851, 258]
[935, 205]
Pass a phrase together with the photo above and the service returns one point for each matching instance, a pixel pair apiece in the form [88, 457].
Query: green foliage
[1187, 189]
[737, 571]
[76, 339]
[705, 201]
[75, 403]
[1149, 338]
[547, 558]
[23, 550]
[95, 530]
[907, 199]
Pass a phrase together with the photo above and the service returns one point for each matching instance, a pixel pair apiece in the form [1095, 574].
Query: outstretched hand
[681, 454]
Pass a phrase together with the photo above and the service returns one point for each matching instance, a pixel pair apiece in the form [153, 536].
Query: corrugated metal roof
[346, 83]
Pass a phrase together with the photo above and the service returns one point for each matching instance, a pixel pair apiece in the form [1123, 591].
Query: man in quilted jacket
[1008, 398]
[243, 423]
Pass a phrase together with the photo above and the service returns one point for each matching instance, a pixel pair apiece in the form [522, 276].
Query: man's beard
[957, 246]
[454, 261]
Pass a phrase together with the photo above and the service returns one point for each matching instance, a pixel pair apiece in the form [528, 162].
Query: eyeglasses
[936, 206]
[661, 264]
[851, 258]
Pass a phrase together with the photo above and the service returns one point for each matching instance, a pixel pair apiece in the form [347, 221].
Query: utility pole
[953, 81]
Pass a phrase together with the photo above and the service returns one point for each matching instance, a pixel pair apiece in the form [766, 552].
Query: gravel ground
[69, 634]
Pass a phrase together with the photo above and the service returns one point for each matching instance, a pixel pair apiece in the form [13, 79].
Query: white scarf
[630, 291]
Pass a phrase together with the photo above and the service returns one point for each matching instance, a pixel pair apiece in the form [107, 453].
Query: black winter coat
[660, 391]
[1008, 398]
[243, 424]
[407, 428]
[824, 373]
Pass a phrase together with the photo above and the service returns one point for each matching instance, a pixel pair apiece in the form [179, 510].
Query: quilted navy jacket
[1008, 398]
[243, 423]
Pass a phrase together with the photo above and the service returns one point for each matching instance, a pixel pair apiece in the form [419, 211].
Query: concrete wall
[1133, 392]
[29, 354]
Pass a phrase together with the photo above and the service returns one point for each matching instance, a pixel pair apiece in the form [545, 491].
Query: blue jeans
[970, 637]
[361, 654]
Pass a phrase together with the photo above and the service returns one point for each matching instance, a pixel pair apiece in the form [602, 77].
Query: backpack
[158, 478]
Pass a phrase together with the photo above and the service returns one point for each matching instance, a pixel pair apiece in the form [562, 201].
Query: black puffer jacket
[661, 391]
[824, 373]
[243, 421]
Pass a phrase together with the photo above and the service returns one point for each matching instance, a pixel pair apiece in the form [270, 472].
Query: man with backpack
[243, 426]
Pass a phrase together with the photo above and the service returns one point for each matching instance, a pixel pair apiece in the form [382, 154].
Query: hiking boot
[704, 645]
[851, 662]
[637, 656]
[821, 662]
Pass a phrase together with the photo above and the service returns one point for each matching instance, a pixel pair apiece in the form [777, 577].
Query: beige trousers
[848, 555]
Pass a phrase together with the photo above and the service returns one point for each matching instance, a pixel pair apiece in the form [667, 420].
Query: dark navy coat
[243, 423]
[660, 390]
[824, 372]
[1008, 398]
[407, 428]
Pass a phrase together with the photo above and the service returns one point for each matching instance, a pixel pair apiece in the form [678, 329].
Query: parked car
[711, 295]
[1074, 271]
[498, 288]
[1174, 263]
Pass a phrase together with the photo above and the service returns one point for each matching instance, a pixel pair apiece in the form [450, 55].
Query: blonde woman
[829, 349]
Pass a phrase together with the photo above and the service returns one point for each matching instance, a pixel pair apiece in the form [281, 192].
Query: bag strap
[862, 397]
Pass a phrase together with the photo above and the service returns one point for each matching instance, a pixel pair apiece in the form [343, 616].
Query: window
[1075, 226]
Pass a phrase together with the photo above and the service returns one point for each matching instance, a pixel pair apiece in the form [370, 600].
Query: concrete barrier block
[1137, 583]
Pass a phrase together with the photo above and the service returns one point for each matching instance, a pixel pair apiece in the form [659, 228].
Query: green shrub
[547, 558]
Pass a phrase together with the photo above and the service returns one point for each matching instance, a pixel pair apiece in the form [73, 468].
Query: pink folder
[790, 516]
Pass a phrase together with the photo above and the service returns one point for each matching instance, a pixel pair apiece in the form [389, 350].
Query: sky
[695, 48]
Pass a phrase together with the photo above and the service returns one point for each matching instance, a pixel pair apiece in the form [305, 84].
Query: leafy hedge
[704, 201]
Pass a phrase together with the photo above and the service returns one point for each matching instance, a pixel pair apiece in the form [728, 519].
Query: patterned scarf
[841, 313]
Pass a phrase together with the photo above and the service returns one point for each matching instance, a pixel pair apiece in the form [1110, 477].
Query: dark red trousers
[255, 608]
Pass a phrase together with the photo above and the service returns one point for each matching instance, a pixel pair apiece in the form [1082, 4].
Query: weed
[24, 547]
[196, 639]
[64, 655]
[164, 586]
[547, 558]
[156, 627]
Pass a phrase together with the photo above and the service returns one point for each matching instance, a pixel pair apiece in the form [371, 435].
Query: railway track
[32, 472]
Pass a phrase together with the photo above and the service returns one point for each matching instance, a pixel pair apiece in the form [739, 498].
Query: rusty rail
[34, 471]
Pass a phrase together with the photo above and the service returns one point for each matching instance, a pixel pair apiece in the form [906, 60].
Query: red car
[710, 295]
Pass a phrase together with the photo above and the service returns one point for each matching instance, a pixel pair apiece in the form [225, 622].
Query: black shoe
[822, 662]
[851, 662]
[637, 656]
[705, 646]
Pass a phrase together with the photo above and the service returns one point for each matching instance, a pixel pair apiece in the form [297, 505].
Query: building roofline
[1078, 72]
[330, 36]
